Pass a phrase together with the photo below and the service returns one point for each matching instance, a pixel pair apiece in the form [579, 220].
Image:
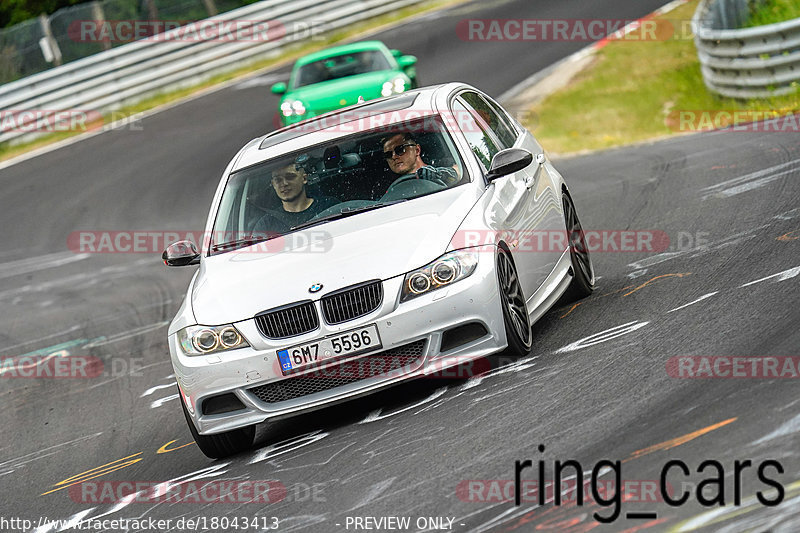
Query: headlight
[393, 86]
[203, 340]
[446, 270]
[292, 107]
[298, 107]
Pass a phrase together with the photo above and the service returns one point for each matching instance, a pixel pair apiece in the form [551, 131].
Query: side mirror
[396, 53]
[407, 61]
[279, 88]
[507, 162]
[181, 253]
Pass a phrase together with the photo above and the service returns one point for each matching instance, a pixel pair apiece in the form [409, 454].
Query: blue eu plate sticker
[286, 362]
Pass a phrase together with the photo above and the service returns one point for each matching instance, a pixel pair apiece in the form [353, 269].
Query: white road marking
[712, 246]
[603, 336]
[703, 297]
[789, 215]
[287, 446]
[379, 415]
[789, 428]
[151, 390]
[39, 454]
[64, 525]
[42, 262]
[744, 523]
[698, 250]
[750, 181]
[782, 276]
[373, 492]
[516, 366]
[33, 363]
[31, 341]
[260, 81]
[162, 401]
[74, 280]
[128, 334]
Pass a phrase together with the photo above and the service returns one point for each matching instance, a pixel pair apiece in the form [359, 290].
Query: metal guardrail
[126, 74]
[745, 63]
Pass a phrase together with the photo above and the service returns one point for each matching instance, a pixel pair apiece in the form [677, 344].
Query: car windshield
[340, 66]
[338, 179]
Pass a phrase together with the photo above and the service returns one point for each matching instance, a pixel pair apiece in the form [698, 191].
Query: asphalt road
[595, 386]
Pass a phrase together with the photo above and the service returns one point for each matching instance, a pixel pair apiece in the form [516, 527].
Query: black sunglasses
[398, 150]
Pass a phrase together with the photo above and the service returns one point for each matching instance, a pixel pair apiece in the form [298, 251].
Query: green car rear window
[374, 107]
[340, 66]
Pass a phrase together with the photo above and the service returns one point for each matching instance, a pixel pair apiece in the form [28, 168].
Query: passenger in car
[289, 183]
[403, 154]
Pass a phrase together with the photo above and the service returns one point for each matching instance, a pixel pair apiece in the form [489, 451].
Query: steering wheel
[401, 179]
[409, 186]
[269, 223]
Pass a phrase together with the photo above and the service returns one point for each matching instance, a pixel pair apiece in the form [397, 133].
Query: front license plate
[351, 342]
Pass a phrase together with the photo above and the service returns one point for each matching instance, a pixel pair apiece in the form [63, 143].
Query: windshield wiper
[239, 243]
[346, 212]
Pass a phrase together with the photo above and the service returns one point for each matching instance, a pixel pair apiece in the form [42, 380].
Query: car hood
[379, 244]
[333, 94]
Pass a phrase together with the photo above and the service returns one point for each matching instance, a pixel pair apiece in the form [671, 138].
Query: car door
[524, 208]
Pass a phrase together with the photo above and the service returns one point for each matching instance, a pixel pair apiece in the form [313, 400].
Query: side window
[475, 129]
[494, 117]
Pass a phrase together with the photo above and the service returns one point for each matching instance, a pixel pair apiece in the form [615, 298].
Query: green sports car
[336, 77]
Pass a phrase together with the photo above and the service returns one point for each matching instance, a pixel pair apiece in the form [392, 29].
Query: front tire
[583, 281]
[515, 311]
[224, 444]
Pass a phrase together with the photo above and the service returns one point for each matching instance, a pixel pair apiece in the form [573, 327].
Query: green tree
[15, 11]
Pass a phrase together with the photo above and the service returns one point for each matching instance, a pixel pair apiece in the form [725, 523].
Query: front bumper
[423, 320]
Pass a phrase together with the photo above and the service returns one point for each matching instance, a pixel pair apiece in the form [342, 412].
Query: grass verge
[635, 91]
[10, 150]
[772, 11]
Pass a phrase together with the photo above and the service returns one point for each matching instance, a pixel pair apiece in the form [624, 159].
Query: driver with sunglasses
[402, 153]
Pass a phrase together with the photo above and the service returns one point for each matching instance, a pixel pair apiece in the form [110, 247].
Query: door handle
[530, 180]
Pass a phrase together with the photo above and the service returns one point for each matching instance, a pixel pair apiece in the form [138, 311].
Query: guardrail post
[100, 18]
[152, 10]
[48, 43]
[211, 7]
[723, 14]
